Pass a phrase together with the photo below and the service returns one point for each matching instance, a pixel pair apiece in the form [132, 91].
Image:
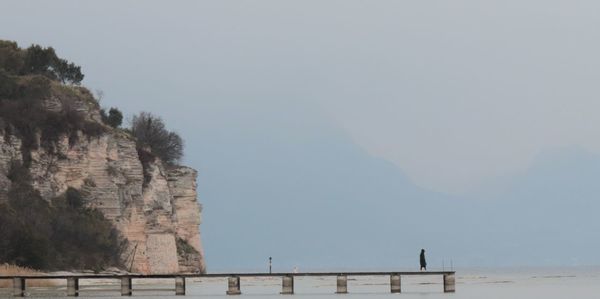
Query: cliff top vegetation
[28, 79]
[41, 101]
[30, 76]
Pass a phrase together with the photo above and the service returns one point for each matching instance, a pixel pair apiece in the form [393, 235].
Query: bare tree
[150, 131]
[99, 95]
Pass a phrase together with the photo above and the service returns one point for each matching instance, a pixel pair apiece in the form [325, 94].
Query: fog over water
[348, 134]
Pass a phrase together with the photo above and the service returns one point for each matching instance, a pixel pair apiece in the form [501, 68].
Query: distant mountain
[308, 196]
[551, 209]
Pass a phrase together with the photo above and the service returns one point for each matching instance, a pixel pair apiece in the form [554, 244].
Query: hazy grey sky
[453, 92]
[321, 110]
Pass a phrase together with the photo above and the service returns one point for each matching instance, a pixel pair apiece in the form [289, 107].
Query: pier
[234, 287]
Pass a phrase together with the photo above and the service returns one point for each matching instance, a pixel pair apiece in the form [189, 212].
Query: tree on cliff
[27, 78]
[114, 117]
[44, 61]
[150, 131]
[37, 60]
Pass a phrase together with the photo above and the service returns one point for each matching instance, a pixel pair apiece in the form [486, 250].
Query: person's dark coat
[422, 259]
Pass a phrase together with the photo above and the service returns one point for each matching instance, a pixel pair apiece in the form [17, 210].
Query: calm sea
[557, 283]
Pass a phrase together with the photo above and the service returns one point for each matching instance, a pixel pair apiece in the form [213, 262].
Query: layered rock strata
[154, 207]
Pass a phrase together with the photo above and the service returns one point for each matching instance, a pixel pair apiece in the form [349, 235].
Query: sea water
[557, 283]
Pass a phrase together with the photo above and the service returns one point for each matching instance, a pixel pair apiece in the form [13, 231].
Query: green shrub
[74, 199]
[8, 85]
[184, 248]
[60, 235]
[28, 117]
[44, 61]
[112, 170]
[11, 57]
[37, 60]
[114, 117]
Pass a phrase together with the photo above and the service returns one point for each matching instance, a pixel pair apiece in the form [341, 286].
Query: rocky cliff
[154, 206]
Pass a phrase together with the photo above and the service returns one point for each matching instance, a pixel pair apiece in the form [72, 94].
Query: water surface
[558, 283]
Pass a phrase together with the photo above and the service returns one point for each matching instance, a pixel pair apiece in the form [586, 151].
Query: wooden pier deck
[233, 280]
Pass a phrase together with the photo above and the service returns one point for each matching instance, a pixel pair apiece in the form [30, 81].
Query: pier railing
[233, 280]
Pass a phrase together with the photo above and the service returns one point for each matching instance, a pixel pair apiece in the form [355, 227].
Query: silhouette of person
[422, 260]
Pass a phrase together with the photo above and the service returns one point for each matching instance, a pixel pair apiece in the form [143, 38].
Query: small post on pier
[287, 285]
[72, 286]
[19, 287]
[180, 285]
[395, 283]
[449, 283]
[126, 287]
[233, 284]
[342, 284]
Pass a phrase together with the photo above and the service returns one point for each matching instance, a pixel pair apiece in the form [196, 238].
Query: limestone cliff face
[155, 207]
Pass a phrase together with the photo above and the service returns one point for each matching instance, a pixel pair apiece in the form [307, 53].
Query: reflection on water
[494, 284]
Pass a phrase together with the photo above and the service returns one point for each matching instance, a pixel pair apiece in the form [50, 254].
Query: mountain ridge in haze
[321, 201]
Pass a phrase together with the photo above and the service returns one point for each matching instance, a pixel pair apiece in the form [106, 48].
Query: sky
[461, 102]
[454, 93]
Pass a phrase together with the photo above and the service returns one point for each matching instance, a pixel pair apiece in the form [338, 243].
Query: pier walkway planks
[233, 280]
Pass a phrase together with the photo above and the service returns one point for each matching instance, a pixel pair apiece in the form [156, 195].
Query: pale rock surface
[160, 217]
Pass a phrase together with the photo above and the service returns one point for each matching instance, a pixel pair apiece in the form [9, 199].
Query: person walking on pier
[422, 260]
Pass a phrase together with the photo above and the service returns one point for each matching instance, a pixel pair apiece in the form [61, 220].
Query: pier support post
[72, 286]
[342, 284]
[287, 285]
[180, 285]
[233, 286]
[126, 287]
[19, 287]
[449, 283]
[395, 283]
